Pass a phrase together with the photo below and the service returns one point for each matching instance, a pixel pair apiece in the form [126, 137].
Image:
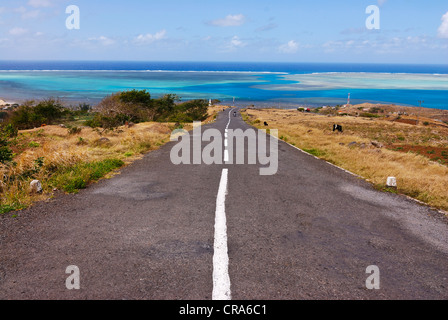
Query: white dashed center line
[221, 278]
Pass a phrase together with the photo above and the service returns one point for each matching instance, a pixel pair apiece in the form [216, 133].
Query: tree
[165, 106]
[28, 116]
[6, 132]
[195, 110]
[133, 105]
[49, 110]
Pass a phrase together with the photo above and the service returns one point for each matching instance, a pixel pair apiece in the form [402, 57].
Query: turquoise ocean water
[261, 84]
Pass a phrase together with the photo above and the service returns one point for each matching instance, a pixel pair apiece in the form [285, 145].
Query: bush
[137, 106]
[6, 132]
[6, 154]
[132, 106]
[194, 110]
[29, 116]
[74, 130]
[9, 131]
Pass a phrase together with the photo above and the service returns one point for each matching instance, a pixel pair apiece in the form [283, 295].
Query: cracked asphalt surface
[308, 232]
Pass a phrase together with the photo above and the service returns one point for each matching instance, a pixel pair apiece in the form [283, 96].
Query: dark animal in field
[337, 127]
[266, 124]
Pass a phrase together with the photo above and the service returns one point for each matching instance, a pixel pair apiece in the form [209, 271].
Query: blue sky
[411, 31]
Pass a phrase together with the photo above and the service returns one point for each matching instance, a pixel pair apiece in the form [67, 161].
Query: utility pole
[420, 106]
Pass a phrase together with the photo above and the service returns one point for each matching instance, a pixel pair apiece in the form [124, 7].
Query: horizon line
[217, 61]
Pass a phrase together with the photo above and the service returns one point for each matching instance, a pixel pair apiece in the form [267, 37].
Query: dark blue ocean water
[262, 84]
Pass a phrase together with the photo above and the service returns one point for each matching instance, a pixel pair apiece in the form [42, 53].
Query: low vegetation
[69, 148]
[416, 154]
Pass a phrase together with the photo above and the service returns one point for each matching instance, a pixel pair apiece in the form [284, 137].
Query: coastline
[285, 85]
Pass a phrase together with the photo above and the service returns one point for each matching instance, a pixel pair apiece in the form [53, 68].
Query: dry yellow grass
[59, 149]
[417, 176]
[56, 149]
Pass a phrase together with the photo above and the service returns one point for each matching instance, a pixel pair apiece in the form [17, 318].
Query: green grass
[315, 152]
[73, 179]
[384, 188]
[33, 144]
[369, 115]
[8, 208]
[284, 138]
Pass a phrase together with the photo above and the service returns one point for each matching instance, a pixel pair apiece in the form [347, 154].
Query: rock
[62, 126]
[35, 186]
[103, 140]
[391, 182]
[377, 144]
[353, 144]
[362, 145]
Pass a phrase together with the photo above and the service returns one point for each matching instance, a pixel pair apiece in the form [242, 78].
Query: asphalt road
[308, 232]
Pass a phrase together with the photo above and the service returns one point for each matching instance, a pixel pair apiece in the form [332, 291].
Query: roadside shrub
[133, 106]
[29, 116]
[74, 130]
[6, 132]
[194, 110]
[9, 131]
[6, 154]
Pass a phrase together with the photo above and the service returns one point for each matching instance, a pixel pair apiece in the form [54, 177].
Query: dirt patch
[434, 153]
[407, 121]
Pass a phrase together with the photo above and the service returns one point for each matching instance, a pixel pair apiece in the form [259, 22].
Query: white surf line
[221, 278]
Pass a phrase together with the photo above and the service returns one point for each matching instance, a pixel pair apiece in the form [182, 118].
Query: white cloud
[236, 42]
[103, 41]
[39, 3]
[25, 13]
[17, 31]
[229, 21]
[443, 29]
[150, 38]
[233, 44]
[290, 47]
